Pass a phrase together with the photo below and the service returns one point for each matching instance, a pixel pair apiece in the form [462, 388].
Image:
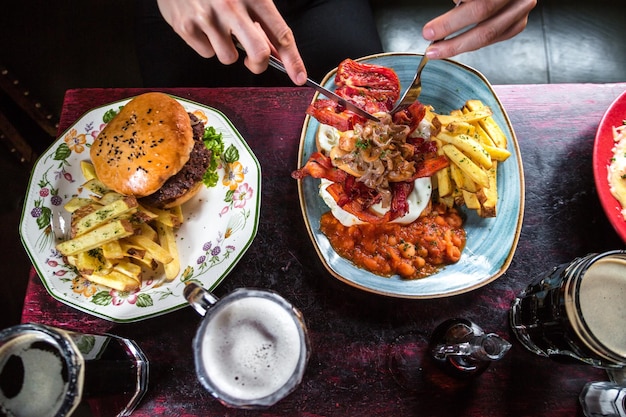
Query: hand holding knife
[277, 64]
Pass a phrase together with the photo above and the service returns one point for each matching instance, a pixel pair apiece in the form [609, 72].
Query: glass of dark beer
[46, 371]
[251, 348]
[577, 310]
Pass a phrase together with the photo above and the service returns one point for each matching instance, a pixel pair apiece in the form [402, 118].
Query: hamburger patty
[191, 173]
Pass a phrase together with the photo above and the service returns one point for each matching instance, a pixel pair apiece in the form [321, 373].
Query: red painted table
[352, 331]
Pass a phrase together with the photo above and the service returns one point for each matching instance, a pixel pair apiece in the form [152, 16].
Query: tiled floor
[83, 44]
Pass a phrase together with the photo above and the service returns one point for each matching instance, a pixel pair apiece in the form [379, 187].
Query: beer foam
[602, 302]
[251, 348]
[41, 371]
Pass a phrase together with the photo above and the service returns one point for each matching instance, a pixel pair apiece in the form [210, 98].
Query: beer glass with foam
[577, 310]
[45, 372]
[251, 348]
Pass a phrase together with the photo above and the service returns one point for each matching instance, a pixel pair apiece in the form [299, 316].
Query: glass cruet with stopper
[457, 346]
[462, 348]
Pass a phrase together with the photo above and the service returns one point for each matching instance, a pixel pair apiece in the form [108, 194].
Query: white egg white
[418, 199]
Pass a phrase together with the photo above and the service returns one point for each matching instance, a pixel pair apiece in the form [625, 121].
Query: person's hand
[494, 20]
[208, 26]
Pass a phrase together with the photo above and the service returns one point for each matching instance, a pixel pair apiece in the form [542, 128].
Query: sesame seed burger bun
[145, 144]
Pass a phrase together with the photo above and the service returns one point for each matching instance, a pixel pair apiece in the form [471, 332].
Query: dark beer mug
[577, 310]
[45, 371]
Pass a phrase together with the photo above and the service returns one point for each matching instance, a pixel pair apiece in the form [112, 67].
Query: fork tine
[415, 89]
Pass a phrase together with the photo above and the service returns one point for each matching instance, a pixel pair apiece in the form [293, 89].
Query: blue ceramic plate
[491, 243]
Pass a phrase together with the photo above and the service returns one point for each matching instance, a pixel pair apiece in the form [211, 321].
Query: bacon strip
[320, 166]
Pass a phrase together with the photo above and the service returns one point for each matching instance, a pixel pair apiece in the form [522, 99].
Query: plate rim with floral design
[220, 223]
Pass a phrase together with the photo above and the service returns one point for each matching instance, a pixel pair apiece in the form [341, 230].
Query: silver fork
[413, 92]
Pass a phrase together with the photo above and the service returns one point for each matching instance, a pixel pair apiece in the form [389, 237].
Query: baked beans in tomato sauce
[415, 250]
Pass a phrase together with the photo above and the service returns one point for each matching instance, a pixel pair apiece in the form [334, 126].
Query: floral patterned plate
[220, 222]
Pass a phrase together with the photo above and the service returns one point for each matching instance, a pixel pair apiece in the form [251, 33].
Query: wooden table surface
[351, 330]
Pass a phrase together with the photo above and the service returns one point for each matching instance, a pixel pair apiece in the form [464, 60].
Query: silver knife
[277, 64]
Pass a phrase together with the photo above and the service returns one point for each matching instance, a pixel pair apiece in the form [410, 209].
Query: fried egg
[418, 199]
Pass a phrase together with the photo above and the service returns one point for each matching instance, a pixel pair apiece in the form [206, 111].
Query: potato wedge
[96, 237]
[104, 214]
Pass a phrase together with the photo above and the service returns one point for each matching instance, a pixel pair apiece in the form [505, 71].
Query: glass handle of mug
[617, 375]
[199, 298]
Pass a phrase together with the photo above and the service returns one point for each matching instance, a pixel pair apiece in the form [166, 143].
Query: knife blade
[276, 63]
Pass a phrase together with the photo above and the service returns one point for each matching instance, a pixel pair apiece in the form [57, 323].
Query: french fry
[92, 261]
[114, 238]
[115, 280]
[483, 137]
[462, 181]
[444, 182]
[128, 268]
[472, 116]
[471, 200]
[96, 237]
[146, 214]
[96, 186]
[110, 197]
[497, 154]
[167, 217]
[476, 173]
[139, 255]
[168, 241]
[88, 170]
[474, 144]
[456, 175]
[460, 128]
[448, 200]
[177, 212]
[103, 215]
[147, 231]
[469, 147]
[113, 250]
[157, 251]
[76, 203]
[131, 250]
[488, 124]
[488, 196]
